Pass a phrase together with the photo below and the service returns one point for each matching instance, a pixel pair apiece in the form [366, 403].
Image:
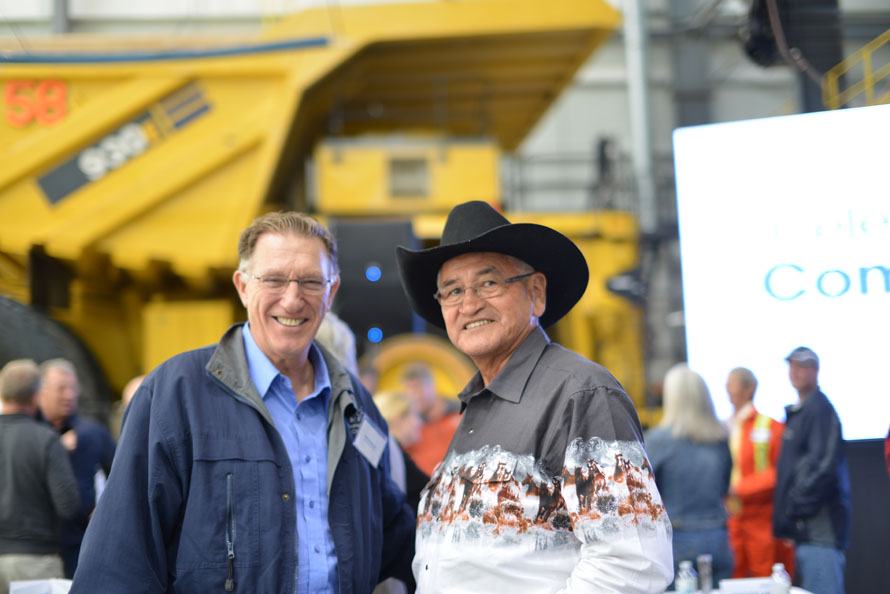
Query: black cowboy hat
[477, 227]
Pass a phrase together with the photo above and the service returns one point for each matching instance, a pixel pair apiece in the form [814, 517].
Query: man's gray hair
[746, 377]
[284, 223]
[58, 363]
[19, 381]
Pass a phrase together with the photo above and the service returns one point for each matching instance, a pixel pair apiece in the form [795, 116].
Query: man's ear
[240, 281]
[537, 285]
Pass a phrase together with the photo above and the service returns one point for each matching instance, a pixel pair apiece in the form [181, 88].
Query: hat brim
[543, 248]
[809, 362]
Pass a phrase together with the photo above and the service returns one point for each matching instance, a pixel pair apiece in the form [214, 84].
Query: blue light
[375, 335]
[373, 273]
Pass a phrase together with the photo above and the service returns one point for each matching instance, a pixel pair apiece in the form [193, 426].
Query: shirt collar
[510, 383]
[263, 372]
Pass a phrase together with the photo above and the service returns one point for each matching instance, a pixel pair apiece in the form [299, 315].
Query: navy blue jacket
[200, 462]
[94, 452]
[812, 495]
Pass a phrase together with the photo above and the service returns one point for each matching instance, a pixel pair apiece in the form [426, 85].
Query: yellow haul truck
[129, 166]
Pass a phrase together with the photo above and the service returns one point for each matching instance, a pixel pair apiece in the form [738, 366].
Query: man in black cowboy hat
[546, 486]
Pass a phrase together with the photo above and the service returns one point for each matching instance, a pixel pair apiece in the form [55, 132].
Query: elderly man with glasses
[546, 486]
[259, 464]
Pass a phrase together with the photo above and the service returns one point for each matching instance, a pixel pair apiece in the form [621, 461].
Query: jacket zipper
[230, 534]
[230, 582]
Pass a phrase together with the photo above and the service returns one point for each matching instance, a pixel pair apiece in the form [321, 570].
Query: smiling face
[284, 323]
[489, 330]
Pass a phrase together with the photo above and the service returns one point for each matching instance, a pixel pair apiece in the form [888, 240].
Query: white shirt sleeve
[618, 516]
[623, 566]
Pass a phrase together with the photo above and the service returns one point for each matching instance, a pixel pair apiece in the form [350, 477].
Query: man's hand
[69, 440]
[732, 502]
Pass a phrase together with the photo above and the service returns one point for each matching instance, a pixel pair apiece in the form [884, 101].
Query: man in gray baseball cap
[804, 356]
[812, 496]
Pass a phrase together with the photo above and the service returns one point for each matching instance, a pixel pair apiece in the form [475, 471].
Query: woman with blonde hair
[689, 454]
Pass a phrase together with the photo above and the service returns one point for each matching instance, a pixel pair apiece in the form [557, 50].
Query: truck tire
[28, 334]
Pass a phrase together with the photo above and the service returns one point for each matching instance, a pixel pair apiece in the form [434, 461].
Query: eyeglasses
[308, 286]
[484, 289]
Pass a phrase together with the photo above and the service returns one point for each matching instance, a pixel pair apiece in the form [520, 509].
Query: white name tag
[370, 441]
[760, 435]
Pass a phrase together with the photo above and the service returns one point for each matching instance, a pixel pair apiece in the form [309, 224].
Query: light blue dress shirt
[303, 428]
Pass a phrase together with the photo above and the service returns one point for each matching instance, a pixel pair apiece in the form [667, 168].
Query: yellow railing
[834, 98]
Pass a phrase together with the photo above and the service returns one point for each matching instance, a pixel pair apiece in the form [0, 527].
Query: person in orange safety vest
[441, 417]
[755, 440]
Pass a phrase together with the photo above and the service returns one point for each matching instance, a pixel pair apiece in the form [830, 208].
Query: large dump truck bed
[129, 165]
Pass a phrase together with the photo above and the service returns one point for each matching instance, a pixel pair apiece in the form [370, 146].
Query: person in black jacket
[89, 444]
[37, 485]
[812, 496]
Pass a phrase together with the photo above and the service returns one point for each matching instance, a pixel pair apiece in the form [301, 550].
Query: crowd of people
[270, 462]
[53, 463]
[754, 492]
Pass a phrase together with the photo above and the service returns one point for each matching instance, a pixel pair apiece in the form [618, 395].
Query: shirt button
[427, 566]
[311, 505]
[285, 497]
[299, 417]
[470, 431]
[307, 459]
[317, 549]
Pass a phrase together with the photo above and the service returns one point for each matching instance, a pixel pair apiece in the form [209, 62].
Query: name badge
[370, 441]
[760, 435]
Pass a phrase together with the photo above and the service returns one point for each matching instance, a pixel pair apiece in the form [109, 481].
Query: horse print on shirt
[497, 497]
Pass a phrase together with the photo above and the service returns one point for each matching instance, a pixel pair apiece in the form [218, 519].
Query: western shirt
[545, 487]
[302, 426]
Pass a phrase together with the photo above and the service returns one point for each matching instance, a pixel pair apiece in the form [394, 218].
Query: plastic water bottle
[781, 581]
[686, 581]
[705, 573]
